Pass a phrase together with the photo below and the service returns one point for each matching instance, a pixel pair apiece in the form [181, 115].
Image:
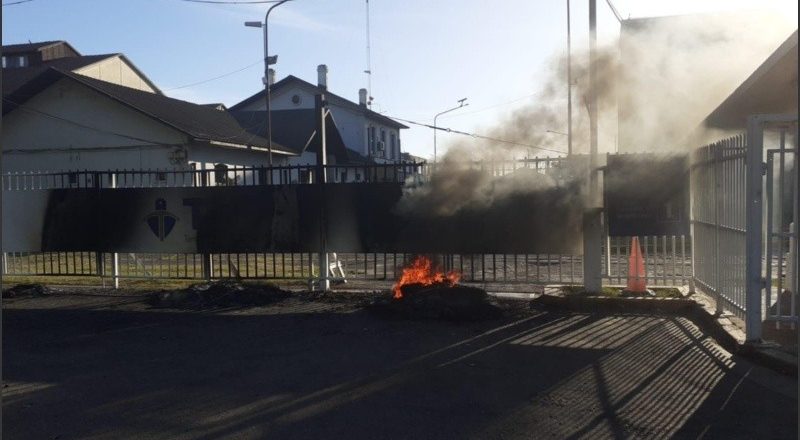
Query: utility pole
[320, 114]
[569, 85]
[592, 227]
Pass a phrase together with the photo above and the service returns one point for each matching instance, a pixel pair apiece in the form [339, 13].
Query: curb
[725, 333]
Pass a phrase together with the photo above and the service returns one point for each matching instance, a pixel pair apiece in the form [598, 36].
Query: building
[22, 62]
[63, 121]
[365, 133]
[63, 111]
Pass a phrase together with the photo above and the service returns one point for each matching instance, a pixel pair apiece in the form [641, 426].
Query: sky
[425, 55]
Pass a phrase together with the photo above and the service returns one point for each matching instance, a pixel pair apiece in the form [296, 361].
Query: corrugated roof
[331, 97]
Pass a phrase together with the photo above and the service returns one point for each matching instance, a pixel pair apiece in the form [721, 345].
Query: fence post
[321, 112]
[716, 168]
[754, 190]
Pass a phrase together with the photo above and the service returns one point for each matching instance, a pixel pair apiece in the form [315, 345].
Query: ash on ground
[26, 290]
[218, 294]
[438, 301]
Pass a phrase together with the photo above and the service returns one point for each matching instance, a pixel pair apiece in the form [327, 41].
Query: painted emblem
[161, 221]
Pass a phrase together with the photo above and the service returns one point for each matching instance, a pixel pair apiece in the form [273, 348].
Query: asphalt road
[110, 368]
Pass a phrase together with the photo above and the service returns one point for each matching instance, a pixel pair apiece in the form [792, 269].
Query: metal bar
[754, 282]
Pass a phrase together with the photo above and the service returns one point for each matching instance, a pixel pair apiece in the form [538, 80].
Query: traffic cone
[636, 269]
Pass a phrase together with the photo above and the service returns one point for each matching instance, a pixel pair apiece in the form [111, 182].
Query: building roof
[771, 88]
[201, 123]
[15, 77]
[296, 130]
[12, 49]
[331, 97]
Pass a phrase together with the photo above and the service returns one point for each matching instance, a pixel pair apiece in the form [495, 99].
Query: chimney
[271, 76]
[322, 76]
[362, 97]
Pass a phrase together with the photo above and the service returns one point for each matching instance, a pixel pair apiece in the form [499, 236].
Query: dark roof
[331, 97]
[12, 49]
[295, 129]
[771, 88]
[15, 77]
[199, 122]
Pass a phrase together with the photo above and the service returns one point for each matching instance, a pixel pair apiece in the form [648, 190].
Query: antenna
[369, 65]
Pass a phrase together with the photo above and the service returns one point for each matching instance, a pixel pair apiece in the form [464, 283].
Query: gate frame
[756, 171]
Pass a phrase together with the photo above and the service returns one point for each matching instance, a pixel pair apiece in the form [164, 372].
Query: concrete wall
[116, 70]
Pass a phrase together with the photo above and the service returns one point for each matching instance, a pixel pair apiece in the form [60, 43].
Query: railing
[668, 259]
[718, 176]
[403, 173]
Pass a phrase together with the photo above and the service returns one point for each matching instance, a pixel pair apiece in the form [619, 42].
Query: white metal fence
[667, 258]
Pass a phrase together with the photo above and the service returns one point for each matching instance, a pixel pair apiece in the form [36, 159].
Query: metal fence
[668, 259]
[718, 178]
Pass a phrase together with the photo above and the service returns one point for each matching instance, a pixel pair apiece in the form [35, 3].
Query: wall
[35, 141]
[116, 70]
[352, 125]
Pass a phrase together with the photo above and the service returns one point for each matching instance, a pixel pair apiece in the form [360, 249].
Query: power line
[478, 136]
[215, 78]
[16, 2]
[86, 127]
[222, 2]
[491, 106]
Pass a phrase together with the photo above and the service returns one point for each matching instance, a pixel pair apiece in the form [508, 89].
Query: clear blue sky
[425, 54]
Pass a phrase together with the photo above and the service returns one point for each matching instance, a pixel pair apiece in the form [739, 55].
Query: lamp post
[268, 60]
[461, 103]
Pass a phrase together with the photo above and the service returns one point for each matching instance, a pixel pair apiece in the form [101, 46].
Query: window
[23, 61]
[371, 138]
[393, 147]
[4, 62]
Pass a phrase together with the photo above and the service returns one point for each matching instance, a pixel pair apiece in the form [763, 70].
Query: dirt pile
[218, 294]
[438, 301]
[26, 290]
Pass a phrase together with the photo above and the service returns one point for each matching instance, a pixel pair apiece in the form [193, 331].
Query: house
[23, 62]
[366, 133]
[63, 111]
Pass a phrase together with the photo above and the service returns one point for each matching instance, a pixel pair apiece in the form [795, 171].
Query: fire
[421, 271]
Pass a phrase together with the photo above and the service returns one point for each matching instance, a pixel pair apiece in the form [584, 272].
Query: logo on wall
[161, 221]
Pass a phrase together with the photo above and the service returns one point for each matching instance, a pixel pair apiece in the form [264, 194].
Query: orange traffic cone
[636, 270]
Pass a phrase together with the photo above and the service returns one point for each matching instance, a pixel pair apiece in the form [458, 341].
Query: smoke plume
[655, 86]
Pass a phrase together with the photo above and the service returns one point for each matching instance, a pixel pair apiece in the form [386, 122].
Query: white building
[366, 133]
[57, 118]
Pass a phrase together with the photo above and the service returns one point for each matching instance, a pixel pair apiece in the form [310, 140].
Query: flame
[421, 271]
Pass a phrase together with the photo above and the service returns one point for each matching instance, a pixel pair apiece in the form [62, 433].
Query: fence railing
[404, 173]
[718, 185]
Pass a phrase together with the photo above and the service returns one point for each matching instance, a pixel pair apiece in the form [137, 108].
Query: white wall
[116, 70]
[37, 142]
[352, 125]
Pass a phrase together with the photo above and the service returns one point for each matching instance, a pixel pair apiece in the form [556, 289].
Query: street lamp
[268, 60]
[461, 103]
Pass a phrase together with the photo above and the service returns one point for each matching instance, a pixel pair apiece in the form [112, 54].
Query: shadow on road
[309, 373]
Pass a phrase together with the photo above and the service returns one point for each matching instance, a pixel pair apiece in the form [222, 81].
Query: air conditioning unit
[380, 146]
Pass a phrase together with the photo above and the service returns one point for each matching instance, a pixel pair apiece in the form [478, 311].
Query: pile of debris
[217, 294]
[438, 301]
[26, 290]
